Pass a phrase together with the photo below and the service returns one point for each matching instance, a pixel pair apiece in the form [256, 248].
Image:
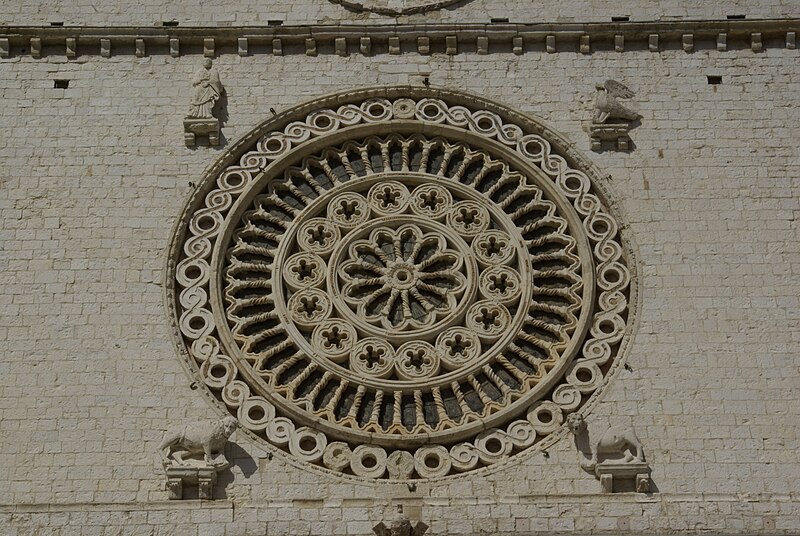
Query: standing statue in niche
[617, 453]
[193, 454]
[206, 91]
[611, 119]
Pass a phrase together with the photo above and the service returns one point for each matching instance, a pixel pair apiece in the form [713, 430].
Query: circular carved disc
[436, 286]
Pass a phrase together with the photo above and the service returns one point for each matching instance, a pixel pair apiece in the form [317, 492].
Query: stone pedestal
[202, 477]
[608, 471]
[614, 132]
[201, 127]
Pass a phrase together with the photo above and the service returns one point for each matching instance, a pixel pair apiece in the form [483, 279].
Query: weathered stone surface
[95, 175]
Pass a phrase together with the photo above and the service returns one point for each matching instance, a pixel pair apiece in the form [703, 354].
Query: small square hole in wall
[714, 80]
[61, 84]
[499, 21]
[274, 22]
[620, 19]
[736, 17]
[56, 24]
[169, 23]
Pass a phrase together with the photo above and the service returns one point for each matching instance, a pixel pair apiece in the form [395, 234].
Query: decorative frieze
[311, 47]
[451, 44]
[209, 46]
[652, 43]
[394, 45]
[340, 46]
[105, 48]
[687, 42]
[722, 42]
[365, 46]
[585, 44]
[71, 47]
[36, 47]
[424, 45]
[756, 44]
[518, 46]
[505, 37]
[483, 45]
[139, 47]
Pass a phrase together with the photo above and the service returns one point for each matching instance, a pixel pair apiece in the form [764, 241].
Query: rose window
[390, 299]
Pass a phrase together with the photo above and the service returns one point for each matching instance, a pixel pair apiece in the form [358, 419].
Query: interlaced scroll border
[189, 279]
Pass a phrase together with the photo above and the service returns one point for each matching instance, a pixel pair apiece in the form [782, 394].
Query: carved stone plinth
[608, 471]
[615, 132]
[201, 127]
[202, 477]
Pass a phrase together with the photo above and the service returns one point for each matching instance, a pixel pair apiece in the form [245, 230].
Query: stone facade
[95, 171]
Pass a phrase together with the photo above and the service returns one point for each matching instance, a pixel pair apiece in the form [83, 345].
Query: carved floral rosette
[400, 283]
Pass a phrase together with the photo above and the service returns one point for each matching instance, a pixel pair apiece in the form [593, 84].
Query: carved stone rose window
[390, 284]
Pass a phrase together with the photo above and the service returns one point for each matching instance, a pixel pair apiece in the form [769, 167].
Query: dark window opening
[61, 84]
[714, 79]
[499, 21]
[56, 24]
[620, 19]
[736, 17]
[169, 23]
[274, 22]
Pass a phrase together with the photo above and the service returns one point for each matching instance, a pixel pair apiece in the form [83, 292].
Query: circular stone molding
[401, 283]
[396, 8]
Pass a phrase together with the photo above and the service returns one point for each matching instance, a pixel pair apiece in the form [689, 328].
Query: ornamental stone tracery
[399, 287]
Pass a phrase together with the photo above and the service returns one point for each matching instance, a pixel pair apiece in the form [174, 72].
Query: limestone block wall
[95, 175]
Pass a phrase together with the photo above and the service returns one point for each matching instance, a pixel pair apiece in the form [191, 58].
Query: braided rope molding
[189, 274]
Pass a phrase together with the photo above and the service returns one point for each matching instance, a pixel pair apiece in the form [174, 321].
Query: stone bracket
[202, 477]
[608, 471]
[614, 132]
[201, 127]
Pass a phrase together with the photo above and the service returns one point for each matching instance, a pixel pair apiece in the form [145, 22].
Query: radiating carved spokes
[402, 278]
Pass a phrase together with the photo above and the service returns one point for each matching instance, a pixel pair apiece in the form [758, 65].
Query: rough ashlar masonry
[94, 177]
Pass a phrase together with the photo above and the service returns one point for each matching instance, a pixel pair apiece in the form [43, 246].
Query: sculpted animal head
[229, 425]
[575, 423]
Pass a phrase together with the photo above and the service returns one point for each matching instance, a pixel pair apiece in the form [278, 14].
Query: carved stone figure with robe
[207, 90]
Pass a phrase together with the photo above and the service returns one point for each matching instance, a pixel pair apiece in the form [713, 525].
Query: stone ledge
[627, 498]
[584, 38]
